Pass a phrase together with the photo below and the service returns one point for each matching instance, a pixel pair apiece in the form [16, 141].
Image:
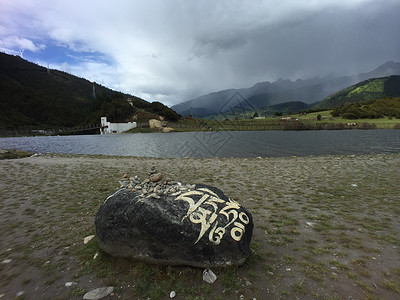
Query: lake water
[216, 144]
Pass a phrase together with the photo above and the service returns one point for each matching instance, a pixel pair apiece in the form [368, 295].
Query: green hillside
[32, 96]
[363, 91]
[372, 109]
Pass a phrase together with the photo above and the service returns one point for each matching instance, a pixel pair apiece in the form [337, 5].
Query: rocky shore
[325, 227]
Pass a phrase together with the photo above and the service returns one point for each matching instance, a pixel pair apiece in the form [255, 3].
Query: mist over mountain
[265, 94]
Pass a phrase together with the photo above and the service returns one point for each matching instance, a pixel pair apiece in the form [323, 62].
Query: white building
[107, 127]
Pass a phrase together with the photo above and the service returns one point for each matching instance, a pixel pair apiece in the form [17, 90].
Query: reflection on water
[216, 144]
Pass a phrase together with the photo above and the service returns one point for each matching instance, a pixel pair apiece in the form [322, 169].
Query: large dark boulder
[194, 225]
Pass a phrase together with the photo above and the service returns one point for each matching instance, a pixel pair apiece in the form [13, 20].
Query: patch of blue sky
[61, 54]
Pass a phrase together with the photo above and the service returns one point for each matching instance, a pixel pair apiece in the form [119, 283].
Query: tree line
[372, 109]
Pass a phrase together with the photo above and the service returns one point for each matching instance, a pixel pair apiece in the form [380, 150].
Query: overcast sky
[172, 51]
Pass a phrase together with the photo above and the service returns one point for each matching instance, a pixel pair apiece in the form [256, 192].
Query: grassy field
[326, 117]
[304, 122]
[326, 227]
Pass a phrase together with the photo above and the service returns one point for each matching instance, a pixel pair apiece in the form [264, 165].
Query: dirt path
[325, 227]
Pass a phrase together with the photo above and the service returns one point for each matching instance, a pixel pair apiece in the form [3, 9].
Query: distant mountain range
[32, 96]
[267, 96]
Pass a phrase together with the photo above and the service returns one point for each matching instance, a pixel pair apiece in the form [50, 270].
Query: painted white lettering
[205, 212]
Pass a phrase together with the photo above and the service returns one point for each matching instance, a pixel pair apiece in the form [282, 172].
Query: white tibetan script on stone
[205, 212]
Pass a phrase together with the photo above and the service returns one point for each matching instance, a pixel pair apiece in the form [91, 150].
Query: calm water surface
[216, 144]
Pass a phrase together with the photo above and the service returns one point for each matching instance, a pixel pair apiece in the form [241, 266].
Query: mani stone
[198, 227]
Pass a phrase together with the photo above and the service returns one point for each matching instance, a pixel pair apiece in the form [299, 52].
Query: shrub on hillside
[373, 109]
[164, 111]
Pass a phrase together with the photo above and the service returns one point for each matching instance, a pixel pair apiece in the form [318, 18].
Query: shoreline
[324, 225]
[54, 155]
[290, 127]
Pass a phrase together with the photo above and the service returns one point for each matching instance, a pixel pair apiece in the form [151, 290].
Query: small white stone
[87, 239]
[70, 283]
[98, 293]
[95, 256]
[6, 261]
[209, 276]
[172, 294]
[19, 294]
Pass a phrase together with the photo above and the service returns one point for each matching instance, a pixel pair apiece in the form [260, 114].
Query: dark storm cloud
[336, 40]
[172, 51]
[211, 45]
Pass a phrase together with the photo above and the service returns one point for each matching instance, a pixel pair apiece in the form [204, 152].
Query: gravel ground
[326, 227]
